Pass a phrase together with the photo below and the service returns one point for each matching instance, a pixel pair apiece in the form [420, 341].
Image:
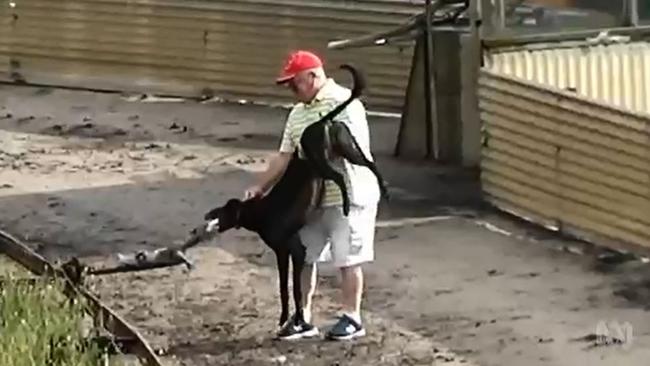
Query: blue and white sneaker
[345, 329]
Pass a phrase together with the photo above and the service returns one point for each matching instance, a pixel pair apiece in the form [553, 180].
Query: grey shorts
[350, 239]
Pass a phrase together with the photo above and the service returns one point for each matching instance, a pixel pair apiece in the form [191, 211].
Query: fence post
[633, 12]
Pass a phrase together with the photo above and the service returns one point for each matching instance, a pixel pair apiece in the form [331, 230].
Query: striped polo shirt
[361, 183]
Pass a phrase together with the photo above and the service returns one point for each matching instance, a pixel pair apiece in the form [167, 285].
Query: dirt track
[93, 174]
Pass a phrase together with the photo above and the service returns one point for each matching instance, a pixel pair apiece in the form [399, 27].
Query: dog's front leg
[326, 171]
[282, 257]
[314, 142]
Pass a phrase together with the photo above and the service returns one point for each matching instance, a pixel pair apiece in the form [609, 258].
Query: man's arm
[277, 165]
[274, 170]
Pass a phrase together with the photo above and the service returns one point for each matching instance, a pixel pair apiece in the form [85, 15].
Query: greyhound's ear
[234, 202]
[212, 214]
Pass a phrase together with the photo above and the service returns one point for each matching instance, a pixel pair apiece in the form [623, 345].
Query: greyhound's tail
[358, 80]
[357, 89]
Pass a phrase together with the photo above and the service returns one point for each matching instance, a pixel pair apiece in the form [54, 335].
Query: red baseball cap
[296, 62]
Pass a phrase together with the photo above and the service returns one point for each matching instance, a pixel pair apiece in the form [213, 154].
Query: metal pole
[501, 15]
[485, 10]
[633, 12]
[428, 45]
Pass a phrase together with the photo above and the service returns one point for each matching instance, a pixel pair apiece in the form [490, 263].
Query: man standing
[351, 238]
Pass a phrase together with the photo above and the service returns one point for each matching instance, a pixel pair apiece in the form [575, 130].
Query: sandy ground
[454, 283]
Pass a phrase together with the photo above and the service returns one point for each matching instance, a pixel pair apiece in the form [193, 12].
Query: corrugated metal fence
[183, 47]
[618, 74]
[565, 160]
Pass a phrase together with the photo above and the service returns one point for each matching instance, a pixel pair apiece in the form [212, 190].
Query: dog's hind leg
[338, 179]
[282, 257]
[298, 253]
[347, 146]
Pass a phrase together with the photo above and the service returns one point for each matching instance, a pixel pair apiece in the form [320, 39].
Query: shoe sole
[354, 335]
[308, 334]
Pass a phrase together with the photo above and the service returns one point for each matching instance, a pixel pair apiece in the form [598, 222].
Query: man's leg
[352, 286]
[309, 277]
[352, 245]
[308, 282]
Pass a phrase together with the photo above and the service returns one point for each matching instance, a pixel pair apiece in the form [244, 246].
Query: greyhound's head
[228, 215]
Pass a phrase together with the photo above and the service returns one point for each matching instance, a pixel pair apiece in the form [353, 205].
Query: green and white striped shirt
[361, 183]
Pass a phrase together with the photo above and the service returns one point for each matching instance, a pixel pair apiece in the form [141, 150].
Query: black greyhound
[327, 138]
[276, 218]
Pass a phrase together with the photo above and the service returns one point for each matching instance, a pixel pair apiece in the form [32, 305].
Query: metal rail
[412, 28]
[130, 339]
[634, 34]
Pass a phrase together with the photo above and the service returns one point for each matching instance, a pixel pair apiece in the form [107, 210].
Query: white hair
[319, 73]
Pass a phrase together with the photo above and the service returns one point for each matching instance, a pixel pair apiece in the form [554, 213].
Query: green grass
[10, 268]
[40, 326]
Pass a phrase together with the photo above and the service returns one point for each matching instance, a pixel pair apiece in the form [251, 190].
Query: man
[351, 238]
